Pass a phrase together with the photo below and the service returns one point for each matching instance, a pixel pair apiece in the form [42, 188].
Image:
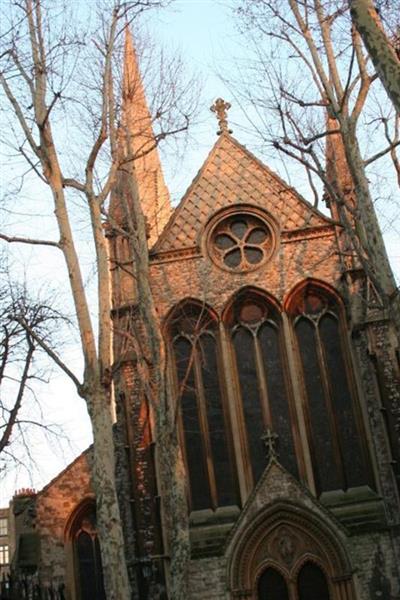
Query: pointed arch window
[206, 438]
[86, 554]
[272, 586]
[312, 583]
[257, 339]
[338, 452]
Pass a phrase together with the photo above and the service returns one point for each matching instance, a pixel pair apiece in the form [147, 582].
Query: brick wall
[54, 505]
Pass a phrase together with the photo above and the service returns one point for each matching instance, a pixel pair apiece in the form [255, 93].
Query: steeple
[137, 131]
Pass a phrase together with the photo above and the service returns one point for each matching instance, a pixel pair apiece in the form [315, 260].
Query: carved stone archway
[285, 537]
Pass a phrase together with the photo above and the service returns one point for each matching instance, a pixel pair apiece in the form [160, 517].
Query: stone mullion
[262, 382]
[202, 411]
[243, 467]
[295, 391]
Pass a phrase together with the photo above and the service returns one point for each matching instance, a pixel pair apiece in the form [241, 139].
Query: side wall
[54, 505]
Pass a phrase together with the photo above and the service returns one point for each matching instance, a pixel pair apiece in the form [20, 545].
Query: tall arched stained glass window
[260, 364]
[339, 456]
[204, 419]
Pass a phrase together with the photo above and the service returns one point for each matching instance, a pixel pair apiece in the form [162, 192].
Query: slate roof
[232, 175]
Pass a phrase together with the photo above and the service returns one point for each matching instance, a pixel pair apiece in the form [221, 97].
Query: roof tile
[232, 175]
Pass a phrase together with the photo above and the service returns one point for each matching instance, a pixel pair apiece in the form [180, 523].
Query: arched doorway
[288, 552]
[310, 584]
[272, 586]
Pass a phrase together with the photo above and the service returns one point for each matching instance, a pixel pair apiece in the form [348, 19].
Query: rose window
[242, 242]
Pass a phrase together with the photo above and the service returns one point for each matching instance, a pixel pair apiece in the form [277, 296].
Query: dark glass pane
[272, 586]
[356, 473]
[257, 236]
[101, 594]
[233, 258]
[87, 566]
[199, 487]
[223, 242]
[223, 467]
[244, 347]
[327, 474]
[253, 255]
[239, 228]
[312, 584]
[277, 396]
[88, 559]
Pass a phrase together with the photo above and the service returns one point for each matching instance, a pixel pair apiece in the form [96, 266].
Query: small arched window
[206, 436]
[255, 328]
[272, 586]
[338, 453]
[312, 583]
[86, 555]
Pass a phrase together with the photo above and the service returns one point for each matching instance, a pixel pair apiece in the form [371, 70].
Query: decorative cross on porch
[220, 108]
[270, 440]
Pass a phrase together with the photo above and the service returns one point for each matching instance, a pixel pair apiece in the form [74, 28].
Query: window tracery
[204, 419]
[86, 554]
[261, 395]
[255, 328]
[241, 238]
[337, 450]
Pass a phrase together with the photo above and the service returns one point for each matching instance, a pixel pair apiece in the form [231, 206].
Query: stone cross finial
[220, 107]
[270, 440]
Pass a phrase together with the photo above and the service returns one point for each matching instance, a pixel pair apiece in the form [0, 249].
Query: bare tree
[312, 79]
[21, 369]
[50, 77]
[384, 53]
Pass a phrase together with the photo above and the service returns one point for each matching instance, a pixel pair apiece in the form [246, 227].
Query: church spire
[137, 130]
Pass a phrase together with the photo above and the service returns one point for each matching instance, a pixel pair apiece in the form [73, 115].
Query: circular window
[241, 242]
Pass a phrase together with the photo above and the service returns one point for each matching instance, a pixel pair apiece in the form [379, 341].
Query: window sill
[209, 530]
[360, 509]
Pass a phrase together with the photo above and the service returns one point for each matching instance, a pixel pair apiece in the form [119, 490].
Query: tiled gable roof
[232, 175]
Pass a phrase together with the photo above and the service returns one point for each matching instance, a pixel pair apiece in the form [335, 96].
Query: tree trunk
[172, 479]
[380, 49]
[367, 227]
[103, 472]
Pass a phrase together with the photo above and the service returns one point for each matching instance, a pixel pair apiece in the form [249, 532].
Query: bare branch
[50, 352]
[375, 157]
[19, 115]
[5, 438]
[32, 241]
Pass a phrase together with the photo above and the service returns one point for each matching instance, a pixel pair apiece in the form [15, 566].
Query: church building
[285, 371]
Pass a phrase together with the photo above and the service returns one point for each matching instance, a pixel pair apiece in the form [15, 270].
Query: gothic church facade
[284, 367]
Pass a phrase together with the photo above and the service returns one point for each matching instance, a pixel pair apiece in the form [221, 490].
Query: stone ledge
[359, 509]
